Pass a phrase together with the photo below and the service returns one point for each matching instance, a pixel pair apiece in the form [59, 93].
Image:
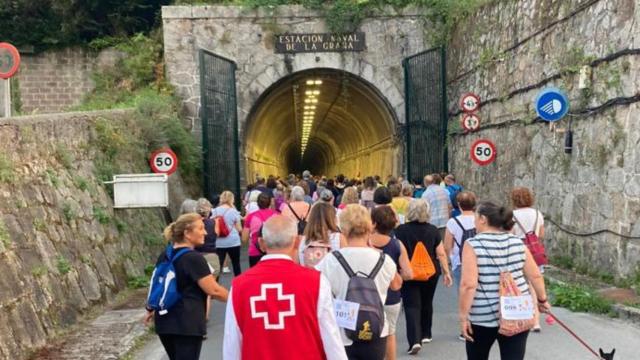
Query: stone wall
[247, 37]
[507, 53]
[63, 248]
[56, 80]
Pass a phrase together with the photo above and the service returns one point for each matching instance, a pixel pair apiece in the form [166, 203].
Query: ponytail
[175, 231]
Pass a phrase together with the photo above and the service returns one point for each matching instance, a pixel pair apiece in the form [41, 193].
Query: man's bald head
[279, 233]
[428, 180]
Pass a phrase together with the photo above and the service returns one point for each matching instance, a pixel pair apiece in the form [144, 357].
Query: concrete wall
[56, 80]
[63, 248]
[507, 53]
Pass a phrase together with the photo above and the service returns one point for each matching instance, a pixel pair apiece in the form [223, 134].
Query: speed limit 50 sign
[483, 152]
[164, 161]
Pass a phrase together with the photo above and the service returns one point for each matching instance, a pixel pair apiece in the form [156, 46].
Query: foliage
[101, 215]
[56, 23]
[64, 156]
[578, 298]
[63, 265]
[39, 271]
[80, 182]
[137, 282]
[52, 177]
[39, 224]
[68, 212]
[7, 174]
[5, 238]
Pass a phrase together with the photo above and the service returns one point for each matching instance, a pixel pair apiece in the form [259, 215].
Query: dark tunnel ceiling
[349, 117]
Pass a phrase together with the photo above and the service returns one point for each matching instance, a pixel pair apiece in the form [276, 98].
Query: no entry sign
[164, 161]
[469, 102]
[470, 122]
[9, 60]
[483, 152]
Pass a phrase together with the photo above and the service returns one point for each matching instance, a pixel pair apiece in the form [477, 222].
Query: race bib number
[346, 313]
[516, 307]
[401, 219]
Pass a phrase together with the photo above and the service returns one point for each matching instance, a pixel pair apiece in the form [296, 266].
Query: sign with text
[483, 152]
[164, 161]
[301, 43]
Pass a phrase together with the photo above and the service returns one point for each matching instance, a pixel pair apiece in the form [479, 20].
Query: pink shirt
[253, 222]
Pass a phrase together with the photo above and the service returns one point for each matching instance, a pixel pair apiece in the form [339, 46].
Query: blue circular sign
[552, 104]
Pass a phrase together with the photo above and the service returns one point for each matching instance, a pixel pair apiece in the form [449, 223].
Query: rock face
[510, 51]
[63, 248]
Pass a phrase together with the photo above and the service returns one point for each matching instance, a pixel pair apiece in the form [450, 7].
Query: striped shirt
[495, 252]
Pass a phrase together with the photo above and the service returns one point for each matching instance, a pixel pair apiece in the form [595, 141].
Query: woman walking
[182, 328]
[417, 296]
[528, 219]
[321, 235]
[384, 220]
[356, 226]
[231, 218]
[484, 257]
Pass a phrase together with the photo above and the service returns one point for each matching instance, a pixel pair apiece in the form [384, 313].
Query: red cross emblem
[271, 304]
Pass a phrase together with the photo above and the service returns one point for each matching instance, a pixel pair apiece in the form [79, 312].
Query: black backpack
[466, 234]
[363, 290]
[302, 223]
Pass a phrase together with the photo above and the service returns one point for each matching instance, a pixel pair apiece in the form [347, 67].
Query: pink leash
[574, 334]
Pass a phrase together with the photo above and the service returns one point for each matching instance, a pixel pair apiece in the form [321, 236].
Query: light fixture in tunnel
[311, 98]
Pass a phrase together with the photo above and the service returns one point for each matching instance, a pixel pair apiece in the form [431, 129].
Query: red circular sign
[9, 60]
[164, 161]
[483, 152]
[469, 102]
[470, 122]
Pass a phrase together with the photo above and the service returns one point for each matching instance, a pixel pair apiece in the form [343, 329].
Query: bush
[578, 298]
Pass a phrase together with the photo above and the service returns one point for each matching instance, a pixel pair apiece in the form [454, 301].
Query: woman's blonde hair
[350, 196]
[175, 231]
[355, 221]
[227, 198]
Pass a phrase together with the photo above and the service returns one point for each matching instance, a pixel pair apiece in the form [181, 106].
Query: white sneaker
[461, 338]
[426, 340]
[414, 349]
[226, 270]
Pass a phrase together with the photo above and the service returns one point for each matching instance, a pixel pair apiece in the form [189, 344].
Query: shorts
[391, 313]
[214, 262]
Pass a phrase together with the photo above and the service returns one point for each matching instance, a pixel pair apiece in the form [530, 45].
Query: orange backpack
[421, 263]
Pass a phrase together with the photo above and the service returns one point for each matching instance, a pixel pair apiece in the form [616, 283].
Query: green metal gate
[218, 113]
[426, 112]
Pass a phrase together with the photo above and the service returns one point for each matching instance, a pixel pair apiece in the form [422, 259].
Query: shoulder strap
[535, 224]
[520, 225]
[344, 264]
[377, 268]
[179, 253]
[293, 211]
[459, 223]
[307, 214]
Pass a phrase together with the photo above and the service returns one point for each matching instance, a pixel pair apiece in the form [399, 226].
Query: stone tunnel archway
[352, 127]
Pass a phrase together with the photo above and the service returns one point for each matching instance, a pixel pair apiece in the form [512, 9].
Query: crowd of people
[333, 261]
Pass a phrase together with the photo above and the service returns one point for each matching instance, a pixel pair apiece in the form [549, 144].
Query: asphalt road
[552, 343]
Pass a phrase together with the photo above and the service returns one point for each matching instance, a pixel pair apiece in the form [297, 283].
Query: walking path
[552, 343]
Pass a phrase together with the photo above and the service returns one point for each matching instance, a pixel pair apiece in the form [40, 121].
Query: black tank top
[393, 250]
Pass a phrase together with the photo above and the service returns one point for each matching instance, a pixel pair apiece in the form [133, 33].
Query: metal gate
[426, 111]
[218, 113]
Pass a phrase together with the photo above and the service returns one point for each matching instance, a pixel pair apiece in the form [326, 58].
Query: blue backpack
[163, 289]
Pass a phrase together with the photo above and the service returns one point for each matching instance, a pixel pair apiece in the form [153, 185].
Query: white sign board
[140, 191]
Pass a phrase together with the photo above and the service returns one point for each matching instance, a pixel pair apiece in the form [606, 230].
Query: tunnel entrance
[324, 120]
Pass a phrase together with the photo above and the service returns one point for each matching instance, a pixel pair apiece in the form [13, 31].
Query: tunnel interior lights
[310, 101]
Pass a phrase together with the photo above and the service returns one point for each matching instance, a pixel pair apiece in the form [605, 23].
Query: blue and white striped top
[496, 252]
